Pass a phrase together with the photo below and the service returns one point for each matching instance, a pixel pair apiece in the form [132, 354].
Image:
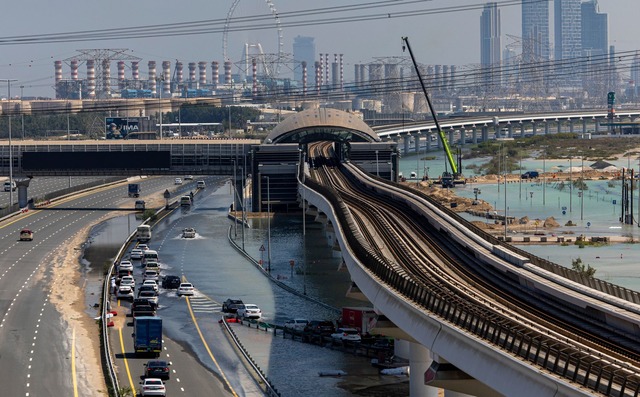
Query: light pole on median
[159, 80]
[268, 225]
[10, 145]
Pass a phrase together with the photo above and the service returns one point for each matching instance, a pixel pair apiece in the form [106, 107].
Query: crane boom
[443, 137]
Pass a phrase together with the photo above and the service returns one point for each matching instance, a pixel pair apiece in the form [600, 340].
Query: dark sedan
[157, 369]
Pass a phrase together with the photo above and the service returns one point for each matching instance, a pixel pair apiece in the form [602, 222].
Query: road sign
[262, 249]
[611, 98]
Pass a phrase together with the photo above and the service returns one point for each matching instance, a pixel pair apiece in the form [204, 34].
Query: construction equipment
[448, 179]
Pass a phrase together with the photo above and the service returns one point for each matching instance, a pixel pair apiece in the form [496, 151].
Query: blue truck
[134, 190]
[147, 335]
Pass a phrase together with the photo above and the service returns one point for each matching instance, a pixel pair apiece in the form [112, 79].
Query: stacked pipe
[227, 72]
[152, 77]
[192, 72]
[58, 68]
[318, 76]
[121, 83]
[341, 62]
[74, 69]
[326, 69]
[91, 79]
[304, 78]
[215, 74]
[166, 78]
[135, 70]
[203, 73]
[319, 68]
[106, 77]
[179, 71]
[254, 77]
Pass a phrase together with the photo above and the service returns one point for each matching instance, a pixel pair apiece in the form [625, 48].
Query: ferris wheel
[272, 64]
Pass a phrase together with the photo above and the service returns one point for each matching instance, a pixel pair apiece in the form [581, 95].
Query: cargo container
[147, 335]
[134, 190]
[360, 318]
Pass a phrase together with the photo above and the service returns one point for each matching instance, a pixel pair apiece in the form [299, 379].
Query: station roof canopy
[322, 124]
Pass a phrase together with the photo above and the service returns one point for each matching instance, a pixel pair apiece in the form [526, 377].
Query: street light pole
[158, 80]
[22, 110]
[570, 182]
[10, 145]
[268, 225]
[582, 189]
[544, 177]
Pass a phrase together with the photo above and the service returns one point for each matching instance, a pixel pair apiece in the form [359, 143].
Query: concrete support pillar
[463, 136]
[419, 362]
[596, 127]
[558, 127]
[474, 135]
[522, 130]
[428, 143]
[406, 141]
[584, 126]
[571, 126]
[23, 197]
[534, 126]
[485, 134]
[510, 133]
[496, 131]
[439, 140]
[546, 128]
[452, 138]
[417, 142]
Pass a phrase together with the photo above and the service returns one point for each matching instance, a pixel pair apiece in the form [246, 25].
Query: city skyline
[435, 38]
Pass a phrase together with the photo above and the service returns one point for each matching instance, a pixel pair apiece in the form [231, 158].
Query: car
[150, 283]
[249, 310]
[26, 235]
[136, 254]
[178, 181]
[143, 247]
[157, 369]
[125, 292]
[297, 324]
[144, 307]
[171, 282]
[185, 289]
[150, 275]
[153, 387]
[140, 205]
[129, 281]
[231, 305]
[146, 288]
[152, 265]
[8, 186]
[188, 232]
[151, 296]
[530, 175]
[200, 185]
[347, 334]
[317, 327]
[188, 177]
[125, 265]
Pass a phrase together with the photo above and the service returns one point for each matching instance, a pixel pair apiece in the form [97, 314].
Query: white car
[249, 310]
[150, 275]
[136, 254]
[128, 281]
[200, 185]
[178, 181]
[143, 247]
[347, 334]
[151, 283]
[185, 289]
[125, 265]
[151, 296]
[125, 292]
[297, 323]
[153, 387]
[188, 178]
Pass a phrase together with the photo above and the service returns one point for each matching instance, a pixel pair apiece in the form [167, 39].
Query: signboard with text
[119, 127]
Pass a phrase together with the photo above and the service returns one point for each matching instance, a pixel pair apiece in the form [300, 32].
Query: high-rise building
[490, 43]
[535, 30]
[595, 30]
[304, 49]
[567, 29]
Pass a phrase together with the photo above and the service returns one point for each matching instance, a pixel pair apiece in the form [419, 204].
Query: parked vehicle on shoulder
[297, 324]
[157, 369]
[153, 387]
[231, 305]
[26, 235]
[171, 282]
[185, 289]
[249, 310]
[317, 327]
[347, 334]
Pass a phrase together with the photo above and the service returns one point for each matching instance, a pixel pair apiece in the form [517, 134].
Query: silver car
[249, 310]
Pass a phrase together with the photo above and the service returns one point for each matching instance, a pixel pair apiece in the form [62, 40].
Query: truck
[143, 233]
[360, 318]
[147, 335]
[134, 190]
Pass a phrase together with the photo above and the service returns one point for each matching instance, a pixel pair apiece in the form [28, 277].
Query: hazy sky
[440, 31]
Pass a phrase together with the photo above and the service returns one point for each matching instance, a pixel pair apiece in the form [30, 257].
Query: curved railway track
[409, 245]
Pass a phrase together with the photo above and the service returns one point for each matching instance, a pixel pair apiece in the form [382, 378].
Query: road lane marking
[206, 346]
[126, 363]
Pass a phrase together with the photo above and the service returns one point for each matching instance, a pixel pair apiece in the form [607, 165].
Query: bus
[143, 233]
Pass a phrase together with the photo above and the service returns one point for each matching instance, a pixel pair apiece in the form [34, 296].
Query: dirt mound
[550, 222]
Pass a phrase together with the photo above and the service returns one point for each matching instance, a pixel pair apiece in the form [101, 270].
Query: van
[143, 233]
[185, 201]
[200, 185]
[140, 205]
[530, 175]
[149, 256]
